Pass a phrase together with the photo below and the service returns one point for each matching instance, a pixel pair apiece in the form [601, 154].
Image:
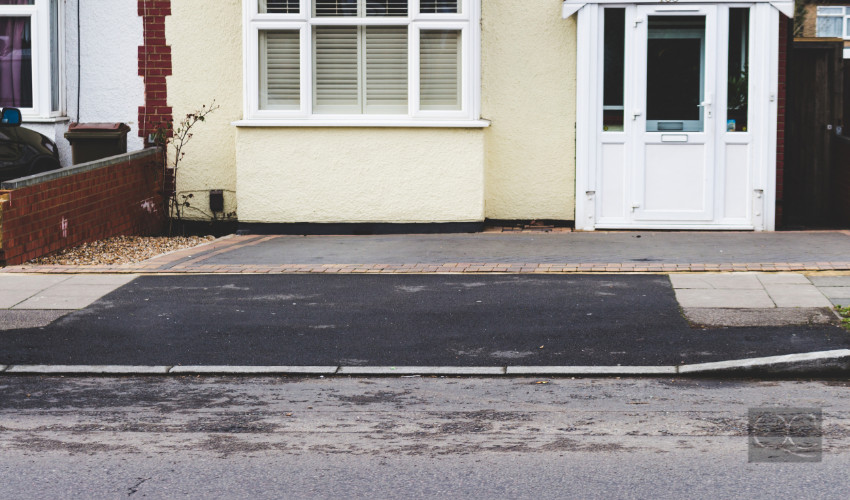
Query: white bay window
[362, 62]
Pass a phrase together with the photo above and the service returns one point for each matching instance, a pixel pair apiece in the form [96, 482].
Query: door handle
[706, 104]
[636, 113]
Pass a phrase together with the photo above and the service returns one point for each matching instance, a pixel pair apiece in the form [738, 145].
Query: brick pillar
[785, 39]
[154, 66]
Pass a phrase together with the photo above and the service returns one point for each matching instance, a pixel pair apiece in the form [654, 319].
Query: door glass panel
[675, 73]
[612, 94]
[739, 60]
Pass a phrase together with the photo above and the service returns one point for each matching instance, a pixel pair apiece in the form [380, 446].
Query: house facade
[599, 114]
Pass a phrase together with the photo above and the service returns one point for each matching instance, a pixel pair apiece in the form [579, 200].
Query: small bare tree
[173, 143]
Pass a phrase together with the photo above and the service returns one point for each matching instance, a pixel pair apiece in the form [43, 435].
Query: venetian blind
[386, 70]
[336, 70]
[386, 8]
[439, 69]
[280, 70]
[438, 6]
[333, 8]
[279, 6]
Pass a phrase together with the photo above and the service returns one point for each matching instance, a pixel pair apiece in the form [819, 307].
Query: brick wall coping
[76, 169]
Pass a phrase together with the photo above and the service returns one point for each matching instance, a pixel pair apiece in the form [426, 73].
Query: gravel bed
[120, 250]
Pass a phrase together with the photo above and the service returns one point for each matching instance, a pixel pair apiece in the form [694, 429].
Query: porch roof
[570, 7]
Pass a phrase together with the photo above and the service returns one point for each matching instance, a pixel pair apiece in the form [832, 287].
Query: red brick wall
[784, 41]
[119, 198]
[154, 66]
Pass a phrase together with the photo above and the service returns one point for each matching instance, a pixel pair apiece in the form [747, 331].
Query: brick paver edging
[425, 268]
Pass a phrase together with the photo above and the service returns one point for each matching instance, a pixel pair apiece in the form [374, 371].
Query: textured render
[528, 91]
[360, 175]
[206, 52]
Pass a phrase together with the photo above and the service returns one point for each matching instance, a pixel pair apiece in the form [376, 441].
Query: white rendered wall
[111, 89]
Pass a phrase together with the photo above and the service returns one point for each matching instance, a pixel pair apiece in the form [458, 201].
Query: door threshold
[678, 227]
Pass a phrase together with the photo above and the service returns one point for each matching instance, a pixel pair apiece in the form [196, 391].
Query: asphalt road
[397, 320]
[406, 438]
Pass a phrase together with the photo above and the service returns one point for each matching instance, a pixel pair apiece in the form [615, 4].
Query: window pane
[440, 69]
[615, 46]
[675, 68]
[836, 11]
[279, 6]
[438, 6]
[280, 70]
[336, 76]
[330, 8]
[385, 8]
[54, 55]
[386, 69]
[829, 26]
[15, 62]
[739, 60]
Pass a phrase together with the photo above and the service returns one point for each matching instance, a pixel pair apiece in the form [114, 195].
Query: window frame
[466, 21]
[39, 14]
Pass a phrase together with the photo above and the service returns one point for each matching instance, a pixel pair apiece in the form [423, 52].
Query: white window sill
[42, 119]
[364, 123]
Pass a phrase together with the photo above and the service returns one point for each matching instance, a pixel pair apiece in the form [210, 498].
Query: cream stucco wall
[528, 92]
[522, 167]
[360, 175]
[206, 52]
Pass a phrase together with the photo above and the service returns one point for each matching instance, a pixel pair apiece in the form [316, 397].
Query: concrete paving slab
[728, 298]
[13, 319]
[100, 279]
[780, 316]
[11, 297]
[17, 288]
[782, 279]
[796, 296]
[841, 302]
[30, 282]
[64, 296]
[731, 281]
[820, 281]
[835, 292]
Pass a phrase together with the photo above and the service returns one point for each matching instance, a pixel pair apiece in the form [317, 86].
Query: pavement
[491, 303]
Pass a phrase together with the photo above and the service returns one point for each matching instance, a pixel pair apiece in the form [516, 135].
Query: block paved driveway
[403, 320]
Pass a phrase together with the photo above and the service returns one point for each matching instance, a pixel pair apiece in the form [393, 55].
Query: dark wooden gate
[814, 115]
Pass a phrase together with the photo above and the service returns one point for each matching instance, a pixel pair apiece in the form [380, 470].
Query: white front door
[673, 115]
[676, 116]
